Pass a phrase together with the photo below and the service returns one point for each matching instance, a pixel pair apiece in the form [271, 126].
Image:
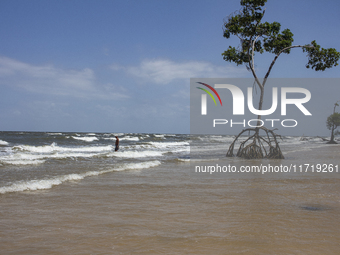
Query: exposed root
[258, 146]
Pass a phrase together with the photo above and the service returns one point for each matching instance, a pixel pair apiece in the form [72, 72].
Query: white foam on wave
[23, 162]
[203, 159]
[85, 138]
[138, 166]
[183, 159]
[125, 138]
[44, 184]
[129, 138]
[33, 185]
[222, 139]
[114, 134]
[55, 148]
[181, 149]
[3, 142]
[30, 185]
[168, 144]
[160, 136]
[137, 154]
[19, 162]
[31, 159]
[33, 155]
[110, 138]
[163, 147]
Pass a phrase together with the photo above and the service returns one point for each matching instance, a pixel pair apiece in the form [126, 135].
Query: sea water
[71, 193]
[33, 161]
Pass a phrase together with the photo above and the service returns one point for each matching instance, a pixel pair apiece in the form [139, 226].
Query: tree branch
[276, 57]
[252, 65]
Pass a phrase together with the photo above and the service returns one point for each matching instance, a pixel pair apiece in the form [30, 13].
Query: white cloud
[165, 71]
[47, 79]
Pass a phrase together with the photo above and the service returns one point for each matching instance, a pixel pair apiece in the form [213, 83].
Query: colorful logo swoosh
[213, 90]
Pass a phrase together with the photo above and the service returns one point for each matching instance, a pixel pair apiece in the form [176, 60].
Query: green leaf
[247, 25]
[319, 58]
[333, 120]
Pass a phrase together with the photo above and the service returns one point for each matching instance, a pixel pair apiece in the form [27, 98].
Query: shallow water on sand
[170, 209]
[175, 211]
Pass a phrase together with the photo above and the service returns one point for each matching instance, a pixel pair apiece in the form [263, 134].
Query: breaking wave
[33, 185]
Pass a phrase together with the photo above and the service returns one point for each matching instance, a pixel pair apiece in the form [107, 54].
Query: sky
[125, 65]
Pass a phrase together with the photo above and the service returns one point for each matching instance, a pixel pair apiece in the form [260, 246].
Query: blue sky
[125, 66]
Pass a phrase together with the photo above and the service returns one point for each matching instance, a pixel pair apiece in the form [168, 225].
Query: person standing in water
[117, 144]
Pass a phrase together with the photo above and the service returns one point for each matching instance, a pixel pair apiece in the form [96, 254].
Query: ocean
[71, 193]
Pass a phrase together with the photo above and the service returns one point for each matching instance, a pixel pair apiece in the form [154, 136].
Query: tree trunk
[332, 136]
[260, 106]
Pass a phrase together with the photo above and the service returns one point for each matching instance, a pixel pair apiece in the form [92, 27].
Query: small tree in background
[259, 37]
[333, 122]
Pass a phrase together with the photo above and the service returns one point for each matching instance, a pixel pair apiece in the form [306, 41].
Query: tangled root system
[257, 146]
